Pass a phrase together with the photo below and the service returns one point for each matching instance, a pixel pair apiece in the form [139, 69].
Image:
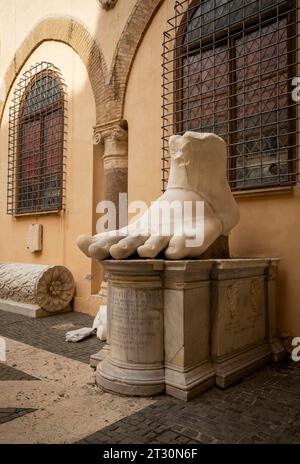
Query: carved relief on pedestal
[255, 294]
[49, 287]
[232, 299]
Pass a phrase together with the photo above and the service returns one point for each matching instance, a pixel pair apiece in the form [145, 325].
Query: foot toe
[177, 248]
[84, 242]
[126, 247]
[100, 248]
[153, 246]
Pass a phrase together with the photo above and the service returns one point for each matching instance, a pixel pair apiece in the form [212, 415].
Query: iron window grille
[228, 68]
[37, 142]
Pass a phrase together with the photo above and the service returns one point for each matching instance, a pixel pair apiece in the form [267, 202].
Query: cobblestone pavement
[9, 414]
[66, 407]
[264, 408]
[49, 333]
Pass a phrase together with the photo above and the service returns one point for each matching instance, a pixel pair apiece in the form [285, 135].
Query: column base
[134, 381]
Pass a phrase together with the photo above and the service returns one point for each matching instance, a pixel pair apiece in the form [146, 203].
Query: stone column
[114, 138]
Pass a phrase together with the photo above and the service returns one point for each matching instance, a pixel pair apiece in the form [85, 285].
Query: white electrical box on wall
[35, 238]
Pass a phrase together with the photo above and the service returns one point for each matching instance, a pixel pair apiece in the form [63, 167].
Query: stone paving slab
[10, 373]
[9, 414]
[49, 333]
[67, 403]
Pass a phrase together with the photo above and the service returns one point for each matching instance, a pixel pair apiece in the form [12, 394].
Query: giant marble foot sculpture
[197, 176]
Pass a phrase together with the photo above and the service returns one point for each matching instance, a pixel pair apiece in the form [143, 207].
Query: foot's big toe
[83, 242]
[99, 249]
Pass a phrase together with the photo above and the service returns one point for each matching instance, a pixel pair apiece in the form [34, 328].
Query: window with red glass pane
[233, 62]
[36, 145]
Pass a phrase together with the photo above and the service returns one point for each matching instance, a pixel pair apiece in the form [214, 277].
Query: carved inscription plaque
[136, 332]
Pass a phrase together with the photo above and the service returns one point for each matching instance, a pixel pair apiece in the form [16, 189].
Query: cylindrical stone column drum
[135, 363]
[49, 287]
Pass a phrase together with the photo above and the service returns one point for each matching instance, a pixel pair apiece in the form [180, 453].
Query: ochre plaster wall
[60, 230]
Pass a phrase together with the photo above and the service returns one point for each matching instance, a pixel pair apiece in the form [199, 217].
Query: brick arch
[66, 30]
[109, 88]
[130, 40]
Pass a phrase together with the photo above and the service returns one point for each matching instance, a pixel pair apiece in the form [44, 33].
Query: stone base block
[28, 310]
[135, 381]
[237, 367]
[188, 384]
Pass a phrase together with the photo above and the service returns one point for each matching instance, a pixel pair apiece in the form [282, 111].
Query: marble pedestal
[183, 326]
[134, 364]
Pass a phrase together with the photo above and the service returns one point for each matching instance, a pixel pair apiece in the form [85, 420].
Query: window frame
[17, 197]
[228, 37]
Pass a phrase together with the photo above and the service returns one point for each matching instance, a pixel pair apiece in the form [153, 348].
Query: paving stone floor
[49, 333]
[263, 408]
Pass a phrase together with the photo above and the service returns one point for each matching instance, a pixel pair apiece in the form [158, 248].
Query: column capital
[114, 136]
[116, 130]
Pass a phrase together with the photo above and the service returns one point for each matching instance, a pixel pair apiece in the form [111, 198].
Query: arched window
[37, 135]
[233, 63]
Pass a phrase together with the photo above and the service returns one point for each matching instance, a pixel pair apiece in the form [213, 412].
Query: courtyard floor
[48, 395]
